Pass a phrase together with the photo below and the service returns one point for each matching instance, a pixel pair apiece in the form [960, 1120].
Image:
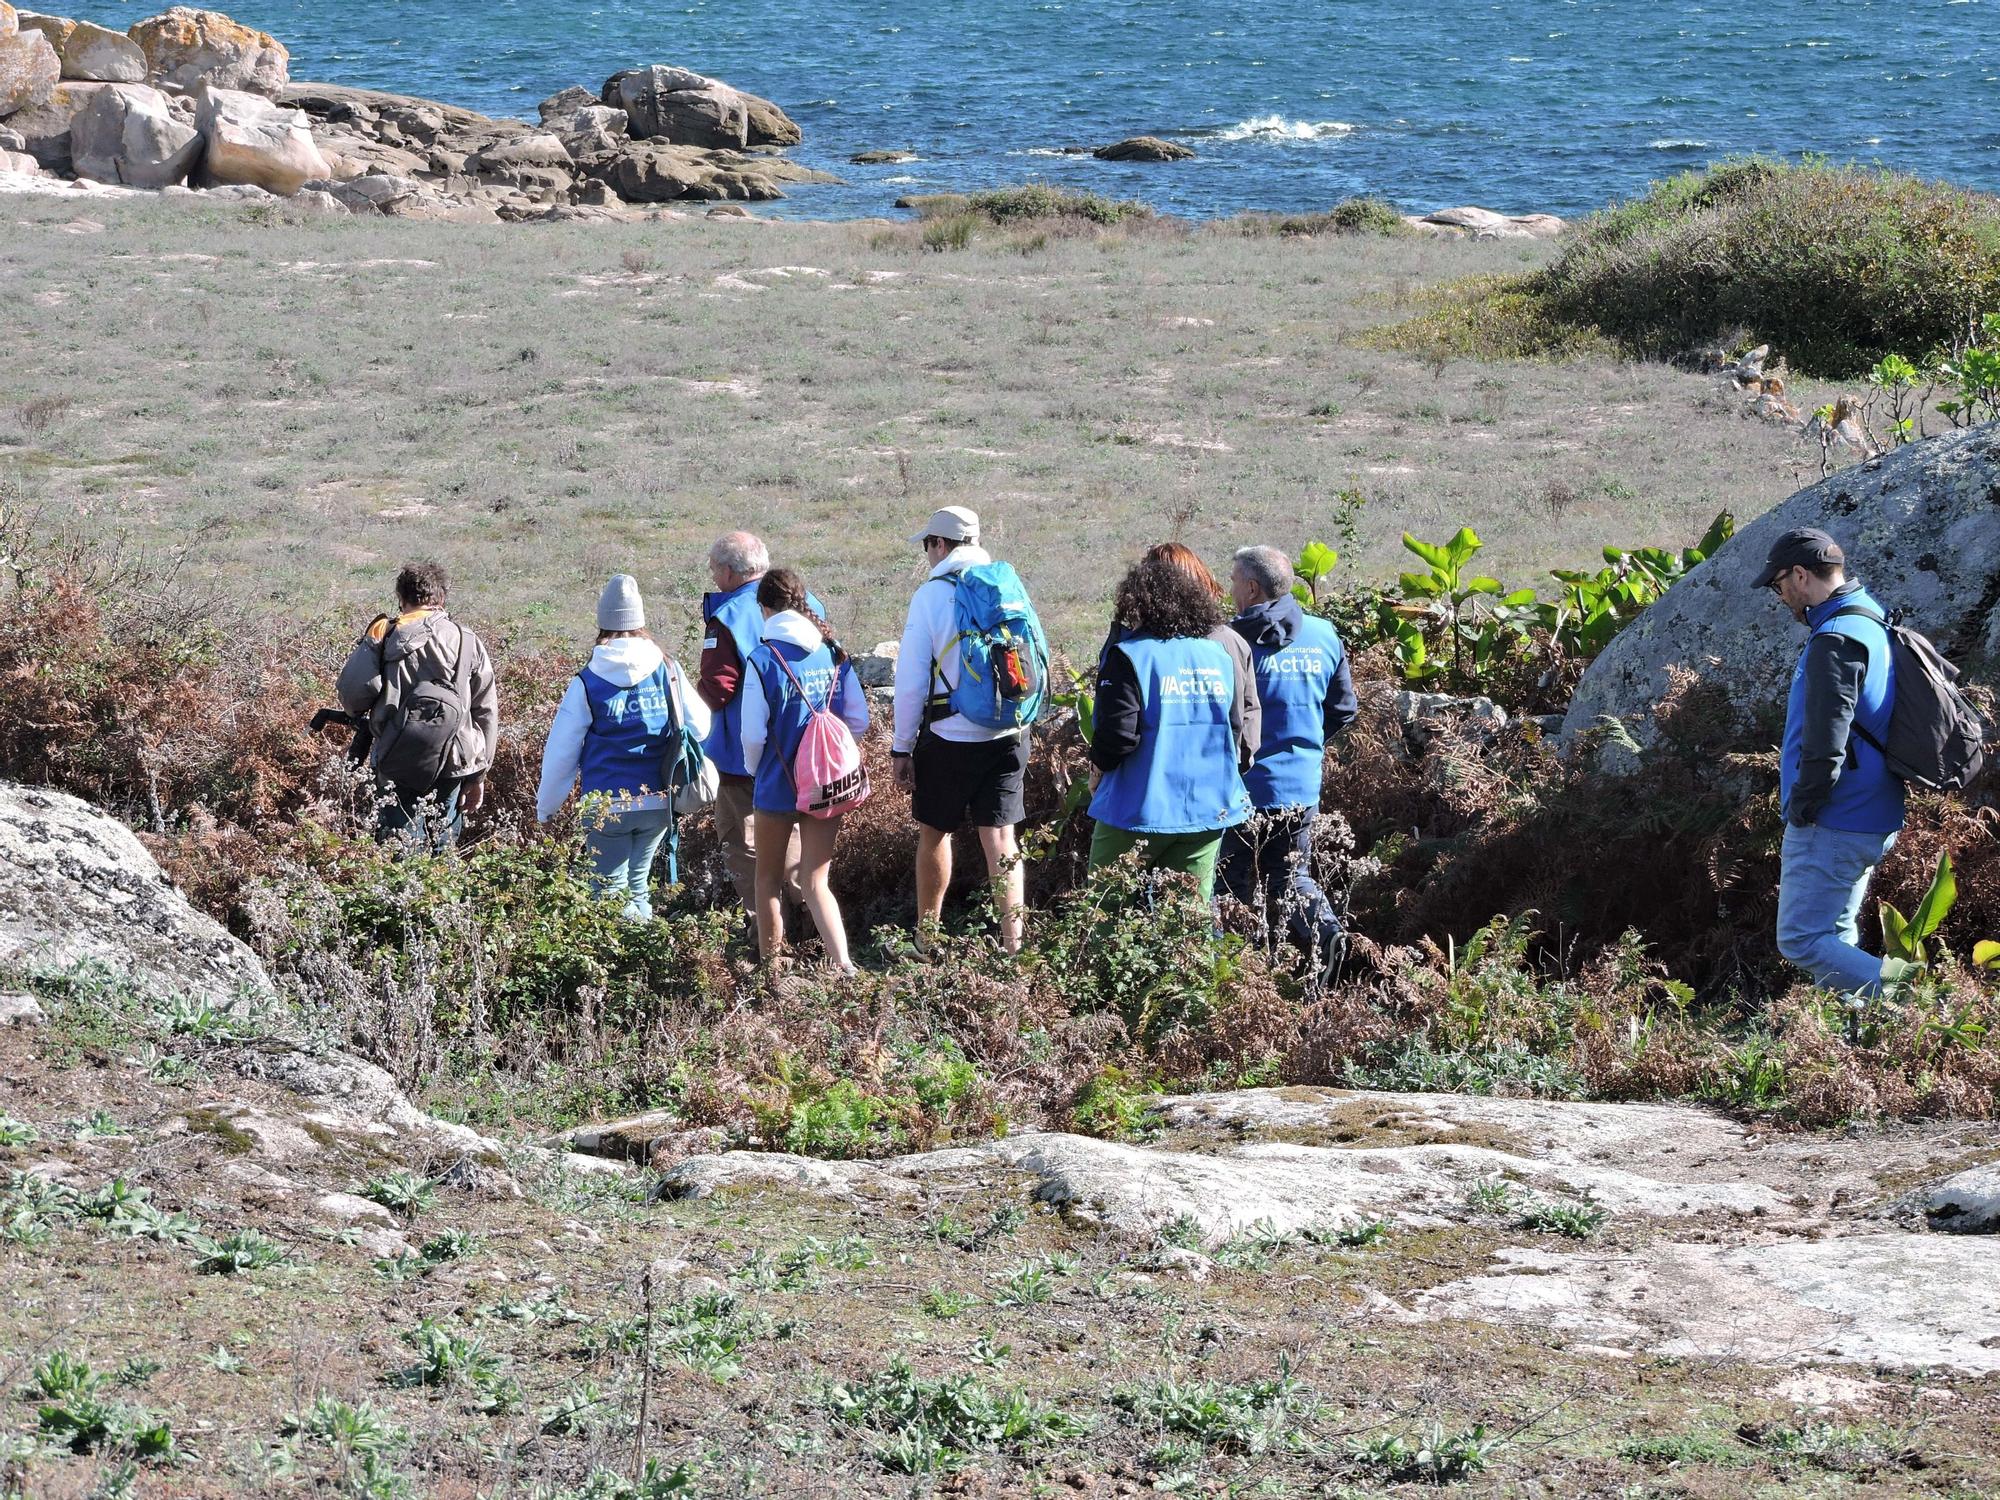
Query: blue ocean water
[1547, 105]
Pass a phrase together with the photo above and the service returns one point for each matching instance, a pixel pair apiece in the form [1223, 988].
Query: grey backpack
[1935, 739]
[415, 745]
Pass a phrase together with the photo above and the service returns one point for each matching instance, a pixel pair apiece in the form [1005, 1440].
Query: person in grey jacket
[421, 647]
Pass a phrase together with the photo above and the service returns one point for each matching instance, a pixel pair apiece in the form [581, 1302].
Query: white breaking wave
[1278, 128]
[1678, 145]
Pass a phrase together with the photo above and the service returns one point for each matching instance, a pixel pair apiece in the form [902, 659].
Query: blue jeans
[621, 855]
[431, 822]
[1823, 876]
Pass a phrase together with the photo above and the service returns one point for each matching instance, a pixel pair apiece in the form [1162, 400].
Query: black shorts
[977, 781]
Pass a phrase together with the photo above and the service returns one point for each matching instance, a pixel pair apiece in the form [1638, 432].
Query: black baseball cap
[1804, 547]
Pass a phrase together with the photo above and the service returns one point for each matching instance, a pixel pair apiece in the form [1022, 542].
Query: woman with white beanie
[619, 721]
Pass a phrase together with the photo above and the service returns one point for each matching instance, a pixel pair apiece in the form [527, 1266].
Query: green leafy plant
[1973, 374]
[1903, 938]
[942, 1302]
[240, 1250]
[1439, 1456]
[1314, 567]
[934, 1426]
[1480, 617]
[15, 1132]
[1577, 1221]
[1249, 1417]
[402, 1191]
[1025, 1286]
[1111, 1108]
[1896, 379]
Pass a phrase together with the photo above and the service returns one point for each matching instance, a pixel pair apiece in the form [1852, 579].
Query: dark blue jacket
[1307, 691]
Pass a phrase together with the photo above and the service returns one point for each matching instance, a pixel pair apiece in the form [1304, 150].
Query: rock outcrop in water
[207, 101]
[1920, 526]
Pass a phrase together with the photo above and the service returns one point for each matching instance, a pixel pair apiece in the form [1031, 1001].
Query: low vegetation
[1833, 266]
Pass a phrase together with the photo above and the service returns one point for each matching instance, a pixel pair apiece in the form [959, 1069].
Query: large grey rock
[539, 149]
[674, 104]
[1897, 1301]
[44, 128]
[91, 54]
[1484, 224]
[1968, 1203]
[29, 69]
[185, 48]
[253, 142]
[1920, 526]
[378, 192]
[78, 887]
[127, 134]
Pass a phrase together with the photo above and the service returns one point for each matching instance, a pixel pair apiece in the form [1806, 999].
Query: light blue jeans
[621, 854]
[1822, 878]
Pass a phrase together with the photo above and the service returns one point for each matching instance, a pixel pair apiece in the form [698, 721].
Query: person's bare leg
[933, 876]
[816, 840]
[735, 823]
[1004, 868]
[769, 907]
[795, 886]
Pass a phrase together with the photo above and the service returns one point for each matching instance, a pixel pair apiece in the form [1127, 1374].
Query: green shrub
[1489, 318]
[1834, 266]
[954, 233]
[1111, 1108]
[1251, 1417]
[1038, 200]
[1363, 215]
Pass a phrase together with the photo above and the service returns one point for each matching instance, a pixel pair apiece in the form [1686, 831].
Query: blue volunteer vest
[1182, 778]
[1867, 796]
[738, 612]
[1293, 682]
[625, 747]
[775, 790]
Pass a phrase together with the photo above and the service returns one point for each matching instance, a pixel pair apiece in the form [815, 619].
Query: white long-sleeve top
[849, 700]
[625, 660]
[929, 653]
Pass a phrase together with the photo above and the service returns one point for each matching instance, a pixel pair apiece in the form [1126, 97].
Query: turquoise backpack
[1003, 654]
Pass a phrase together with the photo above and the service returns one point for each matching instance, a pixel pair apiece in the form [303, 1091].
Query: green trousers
[1190, 853]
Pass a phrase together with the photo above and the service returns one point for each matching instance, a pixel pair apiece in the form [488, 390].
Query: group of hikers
[1214, 708]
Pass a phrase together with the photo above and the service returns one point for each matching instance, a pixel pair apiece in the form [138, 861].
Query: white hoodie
[849, 701]
[929, 655]
[625, 661]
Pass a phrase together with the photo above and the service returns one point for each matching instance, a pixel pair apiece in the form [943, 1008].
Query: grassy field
[543, 406]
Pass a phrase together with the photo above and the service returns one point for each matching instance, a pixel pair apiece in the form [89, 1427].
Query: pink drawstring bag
[827, 767]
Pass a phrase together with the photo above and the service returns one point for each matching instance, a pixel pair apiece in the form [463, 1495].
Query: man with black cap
[1843, 806]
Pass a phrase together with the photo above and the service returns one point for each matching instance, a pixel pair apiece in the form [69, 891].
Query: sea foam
[1278, 128]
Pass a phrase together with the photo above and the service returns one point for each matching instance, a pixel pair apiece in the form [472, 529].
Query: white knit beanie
[619, 607]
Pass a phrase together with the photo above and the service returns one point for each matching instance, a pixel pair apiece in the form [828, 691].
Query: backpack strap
[937, 705]
[461, 672]
[1862, 611]
[800, 688]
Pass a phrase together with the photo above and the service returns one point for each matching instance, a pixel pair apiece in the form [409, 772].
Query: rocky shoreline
[191, 101]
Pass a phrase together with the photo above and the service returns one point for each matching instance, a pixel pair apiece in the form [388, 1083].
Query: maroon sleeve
[721, 666]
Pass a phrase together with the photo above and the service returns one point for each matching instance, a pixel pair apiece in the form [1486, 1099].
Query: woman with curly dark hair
[1168, 727]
